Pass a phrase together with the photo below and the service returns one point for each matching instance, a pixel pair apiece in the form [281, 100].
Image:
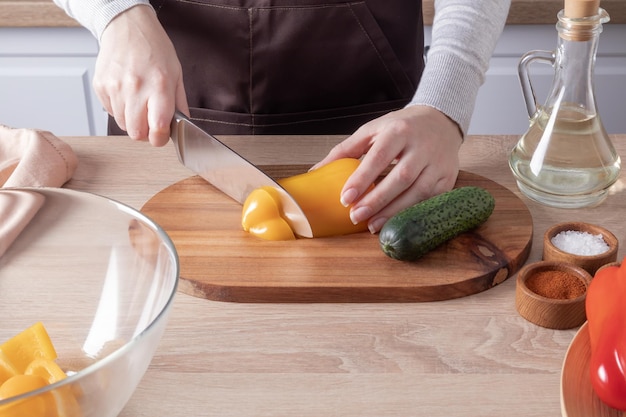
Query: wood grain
[524, 12]
[33, 13]
[467, 357]
[219, 261]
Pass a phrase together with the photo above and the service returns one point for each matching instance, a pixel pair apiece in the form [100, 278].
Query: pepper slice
[317, 192]
[606, 319]
[7, 370]
[42, 405]
[263, 217]
[33, 343]
[27, 363]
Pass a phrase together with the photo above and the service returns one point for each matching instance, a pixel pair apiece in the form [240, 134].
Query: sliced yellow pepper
[41, 405]
[33, 343]
[262, 215]
[317, 192]
[27, 363]
[7, 370]
[47, 369]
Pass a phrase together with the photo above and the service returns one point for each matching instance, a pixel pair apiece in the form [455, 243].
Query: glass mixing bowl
[101, 277]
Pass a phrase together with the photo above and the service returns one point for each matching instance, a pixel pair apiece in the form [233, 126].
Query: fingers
[159, 122]
[139, 84]
[160, 113]
[421, 143]
[148, 118]
[136, 118]
[429, 183]
[123, 99]
[376, 160]
[354, 146]
[396, 189]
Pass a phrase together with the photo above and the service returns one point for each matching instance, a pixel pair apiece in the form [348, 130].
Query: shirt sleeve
[464, 35]
[95, 15]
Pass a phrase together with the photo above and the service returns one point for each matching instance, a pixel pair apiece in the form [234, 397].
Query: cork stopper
[579, 14]
[575, 9]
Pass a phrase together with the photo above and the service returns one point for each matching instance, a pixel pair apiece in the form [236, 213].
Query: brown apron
[294, 66]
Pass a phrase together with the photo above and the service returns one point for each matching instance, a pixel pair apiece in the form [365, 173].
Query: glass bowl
[101, 278]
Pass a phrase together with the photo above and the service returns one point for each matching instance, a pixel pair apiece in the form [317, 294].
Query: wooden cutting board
[219, 261]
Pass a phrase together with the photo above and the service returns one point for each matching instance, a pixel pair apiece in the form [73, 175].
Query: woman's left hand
[424, 143]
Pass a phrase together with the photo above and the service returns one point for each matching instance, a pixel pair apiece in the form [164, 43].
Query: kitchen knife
[228, 171]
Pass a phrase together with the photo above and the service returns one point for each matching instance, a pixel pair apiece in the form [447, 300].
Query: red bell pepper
[606, 318]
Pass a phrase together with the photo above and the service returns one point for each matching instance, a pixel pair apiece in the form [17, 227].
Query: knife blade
[228, 171]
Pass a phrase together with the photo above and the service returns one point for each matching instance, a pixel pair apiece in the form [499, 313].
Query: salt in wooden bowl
[577, 243]
[552, 294]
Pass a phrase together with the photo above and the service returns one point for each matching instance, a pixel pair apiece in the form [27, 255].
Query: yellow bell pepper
[33, 343]
[317, 192]
[41, 405]
[27, 363]
[262, 215]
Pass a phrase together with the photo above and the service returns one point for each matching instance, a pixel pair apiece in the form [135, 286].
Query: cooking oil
[565, 159]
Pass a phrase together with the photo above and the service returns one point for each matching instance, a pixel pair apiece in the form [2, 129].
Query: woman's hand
[424, 143]
[138, 76]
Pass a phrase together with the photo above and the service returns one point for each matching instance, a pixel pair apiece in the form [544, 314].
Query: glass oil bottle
[566, 158]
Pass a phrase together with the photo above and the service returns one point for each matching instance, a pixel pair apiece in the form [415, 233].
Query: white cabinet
[46, 73]
[500, 107]
[45, 81]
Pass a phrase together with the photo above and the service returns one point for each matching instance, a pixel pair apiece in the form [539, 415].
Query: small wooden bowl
[553, 313]
[589, 263]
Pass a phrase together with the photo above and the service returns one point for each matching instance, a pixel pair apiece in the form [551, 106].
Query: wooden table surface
[473, 356]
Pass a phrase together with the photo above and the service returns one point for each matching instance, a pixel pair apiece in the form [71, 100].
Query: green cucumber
[418, 229]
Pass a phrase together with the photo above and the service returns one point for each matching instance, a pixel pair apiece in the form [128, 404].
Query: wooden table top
[473, 356]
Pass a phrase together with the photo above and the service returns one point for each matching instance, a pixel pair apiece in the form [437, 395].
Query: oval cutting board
[219, 261]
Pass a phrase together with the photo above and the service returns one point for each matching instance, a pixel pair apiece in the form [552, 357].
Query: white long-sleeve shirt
[464, 35]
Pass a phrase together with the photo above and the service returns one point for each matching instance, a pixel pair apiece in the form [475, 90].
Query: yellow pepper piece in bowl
[27, 363]
[33, 343]
[7, 370]
[317, 192]
[47, 369]
[41, 405]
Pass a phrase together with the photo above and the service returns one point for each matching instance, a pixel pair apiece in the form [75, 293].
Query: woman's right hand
[138, 77]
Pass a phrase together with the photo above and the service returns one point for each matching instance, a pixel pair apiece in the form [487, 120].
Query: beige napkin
[28, 158]
[34, 158]
[17, 208]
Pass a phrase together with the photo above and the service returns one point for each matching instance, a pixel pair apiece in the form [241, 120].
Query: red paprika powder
[556, 284]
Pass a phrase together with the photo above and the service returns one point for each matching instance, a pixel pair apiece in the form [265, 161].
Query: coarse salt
[580, 243]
